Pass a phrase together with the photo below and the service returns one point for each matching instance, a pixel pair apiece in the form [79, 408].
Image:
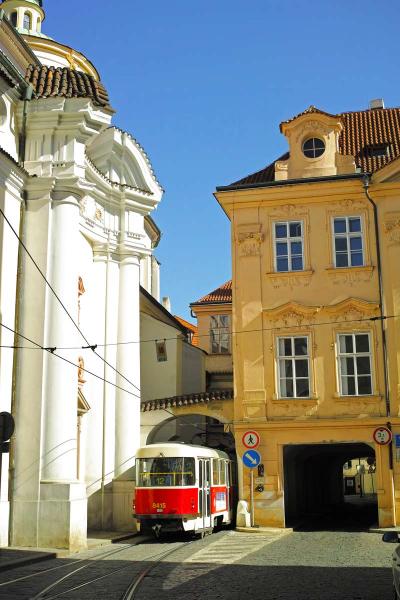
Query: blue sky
[204, 85]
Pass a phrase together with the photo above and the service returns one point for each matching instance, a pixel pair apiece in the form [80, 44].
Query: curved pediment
[292, 310]
[122, 161]
[352, 305]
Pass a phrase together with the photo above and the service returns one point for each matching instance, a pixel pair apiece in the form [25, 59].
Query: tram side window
[215, 471]
[165, 472]
[222, 476]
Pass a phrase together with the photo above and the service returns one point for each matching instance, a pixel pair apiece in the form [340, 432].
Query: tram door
[204, 491]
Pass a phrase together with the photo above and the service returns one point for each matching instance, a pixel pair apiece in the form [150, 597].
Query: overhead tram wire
[302, 325]
[53, 351]
[89, 346]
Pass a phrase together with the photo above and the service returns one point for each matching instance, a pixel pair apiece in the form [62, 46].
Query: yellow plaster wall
[320, 302]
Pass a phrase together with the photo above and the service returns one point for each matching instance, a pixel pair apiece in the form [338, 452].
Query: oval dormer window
[313, 147]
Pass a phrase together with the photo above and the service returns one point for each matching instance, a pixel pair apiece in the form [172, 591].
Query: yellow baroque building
[316, 312]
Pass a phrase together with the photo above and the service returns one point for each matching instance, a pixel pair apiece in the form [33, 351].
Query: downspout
[366, 181]
[382, 317]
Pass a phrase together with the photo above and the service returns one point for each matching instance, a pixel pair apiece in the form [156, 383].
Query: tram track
[102, 555]
[130, 591]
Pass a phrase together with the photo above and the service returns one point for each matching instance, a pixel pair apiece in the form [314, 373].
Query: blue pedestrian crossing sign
[251, 459]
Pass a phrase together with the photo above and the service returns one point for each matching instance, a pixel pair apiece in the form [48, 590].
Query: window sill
[307, 273]
[363, 269]
[297, 400]
[370, 398]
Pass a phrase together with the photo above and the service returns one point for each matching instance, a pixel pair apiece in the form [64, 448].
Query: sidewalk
[13, 557]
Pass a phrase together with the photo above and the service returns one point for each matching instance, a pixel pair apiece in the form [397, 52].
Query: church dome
[27, 17]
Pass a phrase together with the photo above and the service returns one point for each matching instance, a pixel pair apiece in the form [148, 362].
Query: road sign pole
[251, 497]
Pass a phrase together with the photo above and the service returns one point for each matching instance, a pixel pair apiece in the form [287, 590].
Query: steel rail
[44, 571]
[89, 562]
[130, 590]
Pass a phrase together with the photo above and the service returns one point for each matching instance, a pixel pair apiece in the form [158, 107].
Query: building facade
[76, 242]
[315, 252]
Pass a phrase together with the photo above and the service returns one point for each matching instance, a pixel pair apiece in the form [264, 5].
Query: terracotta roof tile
[221, 295]
[192, 328]
[187, 400]
[363, 131]
[50, 82]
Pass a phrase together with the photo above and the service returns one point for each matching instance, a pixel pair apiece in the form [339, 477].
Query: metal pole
[251, 498]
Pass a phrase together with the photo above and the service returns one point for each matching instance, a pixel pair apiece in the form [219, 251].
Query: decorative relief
[313, 126]
[290, 280]
[292, 311]
[352, 276]
[392, 227]
[249, 238]
[347, 204]
[352, 309]
[288, 210]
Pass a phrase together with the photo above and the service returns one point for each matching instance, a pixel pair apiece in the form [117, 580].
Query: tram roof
[173, 449]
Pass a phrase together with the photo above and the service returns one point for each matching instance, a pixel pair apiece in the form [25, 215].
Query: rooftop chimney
[166, 302]
[377, 103]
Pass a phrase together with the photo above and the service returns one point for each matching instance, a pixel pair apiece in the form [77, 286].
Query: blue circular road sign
[251, 459]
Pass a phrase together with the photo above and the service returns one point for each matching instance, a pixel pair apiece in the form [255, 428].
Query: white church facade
[76, 241]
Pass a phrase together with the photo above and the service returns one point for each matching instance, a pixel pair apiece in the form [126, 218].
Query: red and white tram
[180, 487]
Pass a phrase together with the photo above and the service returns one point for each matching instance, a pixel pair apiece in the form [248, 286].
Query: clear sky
[204, 85]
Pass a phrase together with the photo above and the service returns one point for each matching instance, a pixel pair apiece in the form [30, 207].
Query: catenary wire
[89, 346]
[52, 351]
[303, 325]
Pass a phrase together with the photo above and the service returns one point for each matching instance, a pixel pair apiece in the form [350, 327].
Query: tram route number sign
[382, 436]
[251, 439]
[251, 459]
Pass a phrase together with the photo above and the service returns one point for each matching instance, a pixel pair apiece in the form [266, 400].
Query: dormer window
[27, 21]
[377, 150]
[313, 148]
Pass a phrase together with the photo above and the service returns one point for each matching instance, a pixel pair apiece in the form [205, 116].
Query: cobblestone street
[229, 565]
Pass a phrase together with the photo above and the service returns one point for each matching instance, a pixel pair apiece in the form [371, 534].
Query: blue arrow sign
[251, 459]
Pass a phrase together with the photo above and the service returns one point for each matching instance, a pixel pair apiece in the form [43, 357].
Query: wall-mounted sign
[382, 436]
[251, 459]
[161, 350]
[251, 439]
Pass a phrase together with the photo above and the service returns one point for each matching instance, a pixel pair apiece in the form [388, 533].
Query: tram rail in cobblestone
[129, 592]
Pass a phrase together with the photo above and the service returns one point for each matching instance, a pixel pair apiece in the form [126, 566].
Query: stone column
[127, 406]
[62, 514]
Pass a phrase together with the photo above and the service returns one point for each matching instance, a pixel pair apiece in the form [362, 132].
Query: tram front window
[165, 472]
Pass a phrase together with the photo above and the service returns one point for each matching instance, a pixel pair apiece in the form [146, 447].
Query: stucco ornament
[291, 279]
[352, 309]
[249, 238]
[313, 127]
[392, 227]
[292, 312]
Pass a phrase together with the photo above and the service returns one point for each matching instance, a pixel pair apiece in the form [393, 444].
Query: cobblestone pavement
[228, 565]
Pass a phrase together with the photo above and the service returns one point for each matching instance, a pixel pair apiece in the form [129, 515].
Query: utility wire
[52, 351]
[232, 333]
[89, 346]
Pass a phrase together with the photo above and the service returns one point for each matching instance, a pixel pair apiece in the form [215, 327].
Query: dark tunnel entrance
[330, 486]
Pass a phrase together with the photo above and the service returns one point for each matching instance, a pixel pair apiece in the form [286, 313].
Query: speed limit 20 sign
[382, 436]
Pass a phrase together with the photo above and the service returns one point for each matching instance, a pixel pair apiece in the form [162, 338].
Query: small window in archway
[27, 22]
[13, 18]
[38, 26]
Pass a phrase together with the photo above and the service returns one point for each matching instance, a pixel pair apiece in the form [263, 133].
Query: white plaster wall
[159, 379]
[10, 204]
[8, 133]
[193, 371]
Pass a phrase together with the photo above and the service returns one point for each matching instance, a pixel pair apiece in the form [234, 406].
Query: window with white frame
[293, 367]
[348, 242]
[288, 236]
[354, 363]
[220, 334]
